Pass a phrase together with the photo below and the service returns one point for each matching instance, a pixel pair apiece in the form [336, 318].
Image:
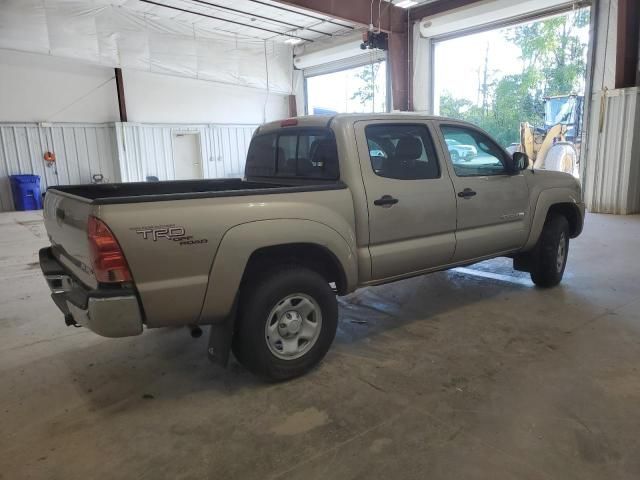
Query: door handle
[385, 201]
[466, 193]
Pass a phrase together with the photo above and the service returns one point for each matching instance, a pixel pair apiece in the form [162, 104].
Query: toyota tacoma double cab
[327, 205]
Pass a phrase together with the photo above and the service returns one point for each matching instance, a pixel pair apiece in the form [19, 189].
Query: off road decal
[172, 232]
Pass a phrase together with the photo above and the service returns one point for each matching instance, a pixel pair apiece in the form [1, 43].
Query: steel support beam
[627, 43]
[400, 67]
[122, 106]
[356, 11]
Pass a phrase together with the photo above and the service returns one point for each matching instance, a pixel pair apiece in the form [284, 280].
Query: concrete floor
[466, 374]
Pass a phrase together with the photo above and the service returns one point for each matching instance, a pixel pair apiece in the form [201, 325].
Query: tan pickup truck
[328, 205]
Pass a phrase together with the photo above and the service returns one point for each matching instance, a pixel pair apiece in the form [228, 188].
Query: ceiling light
[293, 41]
[405, 4]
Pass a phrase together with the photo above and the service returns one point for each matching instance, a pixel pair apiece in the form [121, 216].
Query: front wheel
[287, 320]
[550, 254]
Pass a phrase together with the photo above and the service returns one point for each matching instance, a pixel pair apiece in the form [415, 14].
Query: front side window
[402, 151]
[294, 153]
[473, 153]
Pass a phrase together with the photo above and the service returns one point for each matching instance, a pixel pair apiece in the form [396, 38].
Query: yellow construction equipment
[555, 146]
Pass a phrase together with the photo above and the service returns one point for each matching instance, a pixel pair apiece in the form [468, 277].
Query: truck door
[493, 205]
[410, 198]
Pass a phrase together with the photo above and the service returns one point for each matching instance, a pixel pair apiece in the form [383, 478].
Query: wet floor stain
[302, 422]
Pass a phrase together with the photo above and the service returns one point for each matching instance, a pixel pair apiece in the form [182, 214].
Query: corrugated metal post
[122, 106]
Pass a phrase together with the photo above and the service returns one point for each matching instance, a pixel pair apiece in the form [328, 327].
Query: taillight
[109, 264]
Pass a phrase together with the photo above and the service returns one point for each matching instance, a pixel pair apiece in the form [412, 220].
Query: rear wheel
[287, 320]
[550, 254]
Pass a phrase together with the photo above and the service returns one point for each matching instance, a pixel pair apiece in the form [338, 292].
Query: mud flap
[220, 338]
[523, 262]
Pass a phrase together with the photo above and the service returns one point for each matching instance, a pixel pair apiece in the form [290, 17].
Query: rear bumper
[110, 312]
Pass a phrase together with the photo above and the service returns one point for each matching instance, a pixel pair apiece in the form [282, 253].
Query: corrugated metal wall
[125, 152]
[147, 150]
[612, 172]
[82, 150]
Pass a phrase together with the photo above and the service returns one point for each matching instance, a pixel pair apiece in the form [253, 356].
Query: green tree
[369, 90]
[454, 107]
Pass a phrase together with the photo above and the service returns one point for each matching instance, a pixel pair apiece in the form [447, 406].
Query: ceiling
[261, 19]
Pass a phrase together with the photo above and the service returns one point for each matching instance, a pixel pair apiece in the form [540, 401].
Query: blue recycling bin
[26, 192]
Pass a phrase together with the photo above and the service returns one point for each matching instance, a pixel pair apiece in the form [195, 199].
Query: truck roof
[340, 118]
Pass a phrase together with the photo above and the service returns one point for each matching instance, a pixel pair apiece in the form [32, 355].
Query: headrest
[409, 148]
[323, 149]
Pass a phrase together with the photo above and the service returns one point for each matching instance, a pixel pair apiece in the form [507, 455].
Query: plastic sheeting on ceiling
[102, 33]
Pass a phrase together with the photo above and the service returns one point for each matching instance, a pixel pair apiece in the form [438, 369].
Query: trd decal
[171, 232]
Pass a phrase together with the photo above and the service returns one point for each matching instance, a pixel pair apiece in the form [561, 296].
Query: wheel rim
[562, 252]
[293, 326]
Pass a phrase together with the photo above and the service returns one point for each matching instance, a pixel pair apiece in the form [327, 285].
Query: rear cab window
[294, 153]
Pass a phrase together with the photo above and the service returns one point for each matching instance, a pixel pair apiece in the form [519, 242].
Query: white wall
[38, 88]
[156, 98]
[146, 150]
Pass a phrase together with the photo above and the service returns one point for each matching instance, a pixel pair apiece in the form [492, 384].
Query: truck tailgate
[65, 218]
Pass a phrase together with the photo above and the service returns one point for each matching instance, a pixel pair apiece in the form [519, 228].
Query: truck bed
[113, 193]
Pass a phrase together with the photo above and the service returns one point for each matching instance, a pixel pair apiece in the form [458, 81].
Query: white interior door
[186, 156]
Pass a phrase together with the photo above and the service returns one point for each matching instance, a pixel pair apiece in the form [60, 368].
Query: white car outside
[458, 150]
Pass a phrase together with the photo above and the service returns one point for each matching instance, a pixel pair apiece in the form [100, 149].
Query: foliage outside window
[551, 61]
[356, 90]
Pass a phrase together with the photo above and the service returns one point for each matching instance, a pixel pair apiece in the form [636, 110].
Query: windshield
[560, 110]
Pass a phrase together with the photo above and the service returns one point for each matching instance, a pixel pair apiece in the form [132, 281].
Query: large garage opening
[361, 89]
[523, 83]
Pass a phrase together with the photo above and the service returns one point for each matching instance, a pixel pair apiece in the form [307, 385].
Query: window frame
[505, 155]
[297, 131]
[429, 138]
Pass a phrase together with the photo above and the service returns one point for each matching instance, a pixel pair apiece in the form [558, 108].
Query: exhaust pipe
[195, 330]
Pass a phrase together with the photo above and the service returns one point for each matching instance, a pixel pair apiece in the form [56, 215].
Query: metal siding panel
[82, 157]
[81, 150]
[612, 183]
[6, 202]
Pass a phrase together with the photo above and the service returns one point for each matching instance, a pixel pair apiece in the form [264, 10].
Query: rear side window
[294, 153]
[402, 151]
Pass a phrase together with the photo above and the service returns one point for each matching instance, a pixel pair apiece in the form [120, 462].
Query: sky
[458, 61]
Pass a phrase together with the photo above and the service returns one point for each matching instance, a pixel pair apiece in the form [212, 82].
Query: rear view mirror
[520, 161]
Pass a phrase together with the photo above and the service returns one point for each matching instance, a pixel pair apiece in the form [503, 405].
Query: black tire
[546, 267]
[258, 298]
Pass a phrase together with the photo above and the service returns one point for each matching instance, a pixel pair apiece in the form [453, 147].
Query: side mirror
[520, 161]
